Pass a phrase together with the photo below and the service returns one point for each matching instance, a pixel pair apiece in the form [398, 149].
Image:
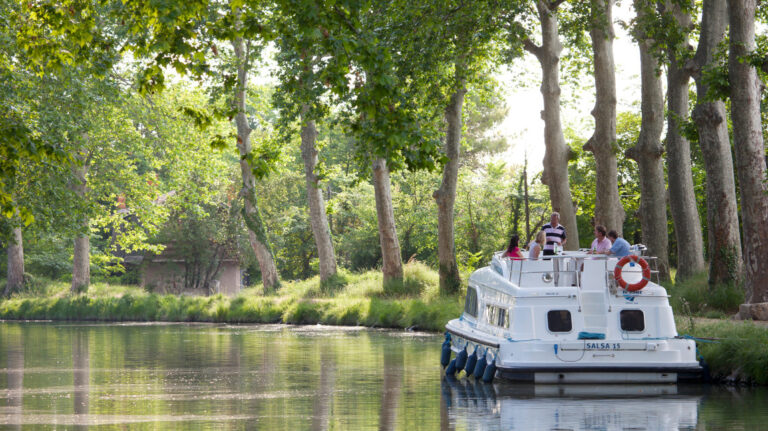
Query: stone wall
[167, 276]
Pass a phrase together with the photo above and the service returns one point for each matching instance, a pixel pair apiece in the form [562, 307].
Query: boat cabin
[571, 296]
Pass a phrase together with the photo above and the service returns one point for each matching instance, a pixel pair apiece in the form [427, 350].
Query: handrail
[556, 271]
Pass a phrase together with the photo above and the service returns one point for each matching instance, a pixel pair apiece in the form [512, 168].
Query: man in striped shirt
[555, 234]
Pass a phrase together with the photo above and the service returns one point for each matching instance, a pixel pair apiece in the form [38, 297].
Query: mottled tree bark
[647, 153]
[81, 260]
[608, 209]
[555, 174]
[257, 235]
[722, 211]
[391, 265]
[748, 148]
[682, 201]
[450, 279]
[317, 217]
[15, 250]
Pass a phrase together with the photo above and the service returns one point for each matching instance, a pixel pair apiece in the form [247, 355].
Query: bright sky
[524, 127]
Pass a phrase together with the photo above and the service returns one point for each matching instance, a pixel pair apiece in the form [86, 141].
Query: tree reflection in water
[81, 377]
[15, 375]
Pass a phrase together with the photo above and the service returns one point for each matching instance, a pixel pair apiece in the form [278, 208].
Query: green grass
[696, 297]
[735, 351]
[347, 299]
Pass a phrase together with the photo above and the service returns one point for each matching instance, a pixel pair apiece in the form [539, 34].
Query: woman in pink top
[513, 251]
[601, 244]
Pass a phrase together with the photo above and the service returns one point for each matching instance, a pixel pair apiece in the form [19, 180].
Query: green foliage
[356, 299]
[668, 35]
[484, 111]
[202, 235]
[582, 171]
[734, 351]
[715, 75]
[696, 297]
[48, 256]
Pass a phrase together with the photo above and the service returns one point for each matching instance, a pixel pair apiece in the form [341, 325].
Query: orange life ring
[634, 286]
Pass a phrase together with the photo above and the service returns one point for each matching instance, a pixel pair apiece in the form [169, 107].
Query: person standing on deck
[555, 234]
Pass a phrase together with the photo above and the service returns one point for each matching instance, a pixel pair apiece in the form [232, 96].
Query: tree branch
[346, 21]
[531, 47]
[555, 4]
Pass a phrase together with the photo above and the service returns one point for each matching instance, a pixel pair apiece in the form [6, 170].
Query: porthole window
[559, 321]
[497, 316]
[470, 304]
[632, 320]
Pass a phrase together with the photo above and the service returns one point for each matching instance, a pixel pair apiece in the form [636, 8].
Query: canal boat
[569, 318]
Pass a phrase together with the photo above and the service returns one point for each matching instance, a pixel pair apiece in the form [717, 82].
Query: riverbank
[735, 351]
[350, 299]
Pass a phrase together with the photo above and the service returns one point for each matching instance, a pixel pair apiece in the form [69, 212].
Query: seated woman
[513, 251]
[535, 247]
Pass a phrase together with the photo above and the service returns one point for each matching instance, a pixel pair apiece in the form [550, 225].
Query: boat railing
[561, 270]
[653, 264]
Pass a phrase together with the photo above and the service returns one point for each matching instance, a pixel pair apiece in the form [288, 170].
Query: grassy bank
[350, 299]
[735, 351]
[696, 297]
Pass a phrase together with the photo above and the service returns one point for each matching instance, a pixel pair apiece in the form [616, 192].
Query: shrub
[703, 299]
[734, 351]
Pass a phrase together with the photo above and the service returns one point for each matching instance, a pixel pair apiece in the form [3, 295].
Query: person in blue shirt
[620, 247]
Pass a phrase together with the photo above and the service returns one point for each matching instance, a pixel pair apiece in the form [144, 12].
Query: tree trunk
[15, 279]
[647, 153]
[317, 216]
[682, 201]
[81, 261]
[555, 174]
[392, 265]
[257, 235]
[608, 209]
[527, 203]
[722, 211]
[450, 279]
[748, 146]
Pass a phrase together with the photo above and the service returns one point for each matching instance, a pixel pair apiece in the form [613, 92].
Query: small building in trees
[170, 273]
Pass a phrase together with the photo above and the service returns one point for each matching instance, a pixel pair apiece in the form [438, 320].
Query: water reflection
[321, 408]
[68, 376]
[391, 388]
[14, 379]
[81, 377]
[575, 407]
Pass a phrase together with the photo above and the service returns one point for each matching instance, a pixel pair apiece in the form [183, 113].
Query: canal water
[274, 377]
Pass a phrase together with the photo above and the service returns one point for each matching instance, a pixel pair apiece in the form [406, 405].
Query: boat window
[559, 321]
[470, 304]
[497, 316]
[632, 320]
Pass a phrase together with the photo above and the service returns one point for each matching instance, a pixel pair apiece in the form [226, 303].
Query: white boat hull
[606, 335]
